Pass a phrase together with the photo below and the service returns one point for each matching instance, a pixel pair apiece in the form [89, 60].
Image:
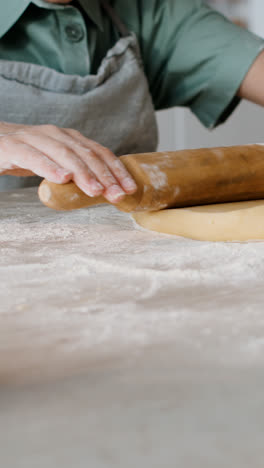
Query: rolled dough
[239, 221]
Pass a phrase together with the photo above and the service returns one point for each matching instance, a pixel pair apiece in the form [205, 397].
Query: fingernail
[96, 186]
[129, 184]
[63, 172]
[114, 192]
[93, 189]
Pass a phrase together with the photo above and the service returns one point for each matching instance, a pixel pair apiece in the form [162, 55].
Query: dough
[239, 221]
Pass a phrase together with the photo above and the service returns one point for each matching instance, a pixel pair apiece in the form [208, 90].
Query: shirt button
[74, 32]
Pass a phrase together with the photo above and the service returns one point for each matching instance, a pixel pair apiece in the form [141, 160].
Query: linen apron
[113, 107]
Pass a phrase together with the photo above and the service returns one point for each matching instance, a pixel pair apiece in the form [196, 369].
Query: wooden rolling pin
[176, 179]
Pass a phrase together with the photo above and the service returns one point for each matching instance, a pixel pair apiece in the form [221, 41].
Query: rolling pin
[176, 179]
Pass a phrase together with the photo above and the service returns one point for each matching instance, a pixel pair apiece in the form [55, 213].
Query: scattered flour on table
[93, 282]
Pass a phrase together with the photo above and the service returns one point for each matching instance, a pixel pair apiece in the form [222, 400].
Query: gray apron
[113, 107]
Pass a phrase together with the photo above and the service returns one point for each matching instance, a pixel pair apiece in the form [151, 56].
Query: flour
[218, 153]
[91, 284]
[176, 192]
[158, 179]
[74, 197]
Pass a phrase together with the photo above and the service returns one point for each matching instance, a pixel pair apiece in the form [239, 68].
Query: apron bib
[113, 107]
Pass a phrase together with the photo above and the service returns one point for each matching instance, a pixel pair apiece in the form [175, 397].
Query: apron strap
[124, 32]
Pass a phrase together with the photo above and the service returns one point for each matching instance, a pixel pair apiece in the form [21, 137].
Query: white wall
[179, 129]
[256, 15]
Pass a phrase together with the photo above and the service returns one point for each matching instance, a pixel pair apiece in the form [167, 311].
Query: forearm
[252, 87]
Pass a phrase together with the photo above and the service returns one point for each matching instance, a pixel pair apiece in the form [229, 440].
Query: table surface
[121, 347]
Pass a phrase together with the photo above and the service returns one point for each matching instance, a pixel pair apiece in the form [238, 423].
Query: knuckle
[7, 140]
[108, 178]
[73, 132]
[109, 154]
[90, 158]
[118, 167]
[80, 166]
[49, 128]
[88, 155]
[66, 152]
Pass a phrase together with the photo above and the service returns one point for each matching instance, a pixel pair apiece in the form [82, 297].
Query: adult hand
[61, 155]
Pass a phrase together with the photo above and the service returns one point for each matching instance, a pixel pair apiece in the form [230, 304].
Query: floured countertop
[89, 295]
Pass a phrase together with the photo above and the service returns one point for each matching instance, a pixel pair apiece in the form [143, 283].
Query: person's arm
[252, 87]
[194, 57]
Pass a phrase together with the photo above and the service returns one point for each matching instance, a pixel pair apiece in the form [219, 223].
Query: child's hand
[61, 155]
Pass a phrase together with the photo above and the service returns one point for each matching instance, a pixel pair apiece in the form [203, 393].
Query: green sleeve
[194, 57]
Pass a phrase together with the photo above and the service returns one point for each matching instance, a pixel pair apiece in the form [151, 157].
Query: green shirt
[192, 55]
